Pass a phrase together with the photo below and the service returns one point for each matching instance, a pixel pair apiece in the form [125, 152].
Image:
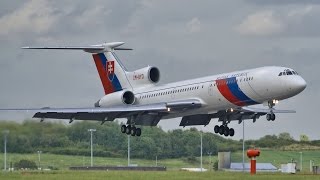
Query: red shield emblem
[110, 70]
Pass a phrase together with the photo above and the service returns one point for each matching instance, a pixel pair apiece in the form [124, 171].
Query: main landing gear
[131, 130]
[224, 130]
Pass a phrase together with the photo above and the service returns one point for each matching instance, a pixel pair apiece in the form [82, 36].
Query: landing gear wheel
[128, 130]
[221, 129]
[133, 131]
[216, 129]
[268, 117]
[138, 132]
[272, 117]
[226, 131]
[123, 128]
[231, 133]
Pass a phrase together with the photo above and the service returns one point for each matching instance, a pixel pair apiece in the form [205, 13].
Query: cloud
[92, 16]
[294, 21]
[34, 16]
[261, 23]
[194, 25]
[282, 2]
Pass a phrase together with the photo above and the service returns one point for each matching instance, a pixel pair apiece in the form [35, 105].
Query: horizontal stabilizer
[99, 48]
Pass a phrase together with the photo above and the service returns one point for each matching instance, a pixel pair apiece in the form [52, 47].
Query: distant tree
[285, 136]
[304, 138]
[25, 164]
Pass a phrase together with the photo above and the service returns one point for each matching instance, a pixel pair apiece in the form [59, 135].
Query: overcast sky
[184, 39]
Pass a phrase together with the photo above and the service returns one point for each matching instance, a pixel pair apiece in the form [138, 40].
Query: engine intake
[128, 97]
[154, 74]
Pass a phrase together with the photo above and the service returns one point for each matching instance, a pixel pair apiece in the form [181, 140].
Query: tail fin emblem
[110, 70]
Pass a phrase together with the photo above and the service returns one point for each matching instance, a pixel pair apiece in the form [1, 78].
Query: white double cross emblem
[110, 68]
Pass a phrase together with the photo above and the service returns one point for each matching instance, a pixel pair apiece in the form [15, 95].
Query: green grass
[122, 175]
[63, 162]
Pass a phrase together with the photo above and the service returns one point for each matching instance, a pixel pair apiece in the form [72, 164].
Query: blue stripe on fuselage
[236, 91]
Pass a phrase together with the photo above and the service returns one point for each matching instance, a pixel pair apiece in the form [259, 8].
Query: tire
[138, 132]
[123, 128]
[226, 131]
[216, 129]
[128, 130]
[268, 117]
[231, 133]
[273, 117]
[221, 129]
[133, 131]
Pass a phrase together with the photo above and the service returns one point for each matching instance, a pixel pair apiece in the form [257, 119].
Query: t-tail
[113, 74]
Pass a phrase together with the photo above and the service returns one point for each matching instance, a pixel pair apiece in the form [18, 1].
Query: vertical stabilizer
[112, 73]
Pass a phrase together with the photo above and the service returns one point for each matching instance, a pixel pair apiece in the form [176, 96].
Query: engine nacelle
[117, 98]
[145, 76]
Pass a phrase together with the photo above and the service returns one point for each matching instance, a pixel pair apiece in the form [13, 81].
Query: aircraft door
[210, 89]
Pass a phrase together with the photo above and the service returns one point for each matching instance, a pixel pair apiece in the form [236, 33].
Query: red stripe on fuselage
[225, 91]
[107, 86]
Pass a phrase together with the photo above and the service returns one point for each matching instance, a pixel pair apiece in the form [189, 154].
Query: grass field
[122, 175]
[63, 162]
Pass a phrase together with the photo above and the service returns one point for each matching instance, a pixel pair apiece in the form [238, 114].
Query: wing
[239, 115]
[260, 110]
[149, 114]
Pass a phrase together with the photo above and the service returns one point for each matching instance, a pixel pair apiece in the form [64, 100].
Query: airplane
[137, 97]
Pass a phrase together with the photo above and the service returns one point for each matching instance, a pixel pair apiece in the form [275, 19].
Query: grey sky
[184, 39]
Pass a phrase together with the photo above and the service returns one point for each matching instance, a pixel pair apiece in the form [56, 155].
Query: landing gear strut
[224, 130]
[271, 116]
[131, 130]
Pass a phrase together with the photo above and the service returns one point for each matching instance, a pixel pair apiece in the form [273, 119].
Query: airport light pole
[91, 131]
[39, 159]
[243, 166]
[300, 161]
[209, 153]
[128, 150]
[201, 151]
[5, 133]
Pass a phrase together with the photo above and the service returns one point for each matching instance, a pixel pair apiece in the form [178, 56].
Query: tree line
[74, 139]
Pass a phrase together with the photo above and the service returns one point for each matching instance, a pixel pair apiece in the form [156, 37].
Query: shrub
[25, 164]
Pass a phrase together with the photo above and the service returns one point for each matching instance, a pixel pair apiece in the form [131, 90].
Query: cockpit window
[288, 72]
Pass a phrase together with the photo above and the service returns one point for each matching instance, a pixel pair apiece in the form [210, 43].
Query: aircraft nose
[299, 84]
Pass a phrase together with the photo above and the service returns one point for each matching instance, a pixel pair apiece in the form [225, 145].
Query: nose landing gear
[271, 116]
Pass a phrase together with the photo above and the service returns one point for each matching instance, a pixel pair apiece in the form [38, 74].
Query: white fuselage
[224, 91]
